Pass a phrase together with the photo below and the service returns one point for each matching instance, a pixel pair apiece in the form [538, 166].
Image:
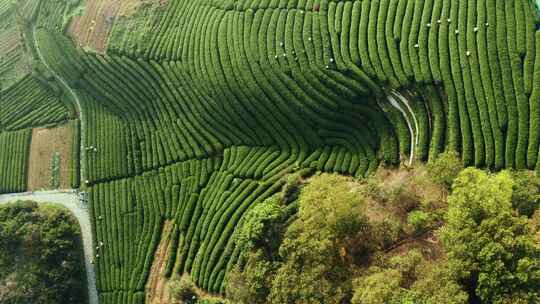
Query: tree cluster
[431, 235]
[40, 255]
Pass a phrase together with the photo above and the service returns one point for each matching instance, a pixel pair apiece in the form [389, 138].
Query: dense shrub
[182, 290]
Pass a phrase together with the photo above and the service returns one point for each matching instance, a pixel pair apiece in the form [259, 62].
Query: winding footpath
[69, 199]
[413, 132]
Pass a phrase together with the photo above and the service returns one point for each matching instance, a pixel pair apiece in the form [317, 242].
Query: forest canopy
[397, 237]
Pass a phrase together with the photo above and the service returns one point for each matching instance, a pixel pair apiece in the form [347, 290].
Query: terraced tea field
[194, 112]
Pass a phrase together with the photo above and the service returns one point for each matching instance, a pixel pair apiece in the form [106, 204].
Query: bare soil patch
[9, 42]
[92, 29]
[45, 143]
[156, 287]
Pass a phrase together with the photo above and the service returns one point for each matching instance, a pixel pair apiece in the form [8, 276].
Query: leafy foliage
[313, 260]
[526, 192]
[341, 227]
[409, 279]
[182, 290]
[488, 244]
[338, 248]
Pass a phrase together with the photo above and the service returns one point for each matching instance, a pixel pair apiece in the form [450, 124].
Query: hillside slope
[197, 111]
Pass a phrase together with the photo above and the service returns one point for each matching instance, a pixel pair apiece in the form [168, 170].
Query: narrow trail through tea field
[75, 99]
[408, 111]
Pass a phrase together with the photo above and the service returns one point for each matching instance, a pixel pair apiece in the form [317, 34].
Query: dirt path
[69, 199]
[75, 99]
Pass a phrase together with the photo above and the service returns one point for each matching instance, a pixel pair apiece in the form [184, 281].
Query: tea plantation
[198, 111]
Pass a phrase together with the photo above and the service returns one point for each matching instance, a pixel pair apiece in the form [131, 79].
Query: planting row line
[14, 153]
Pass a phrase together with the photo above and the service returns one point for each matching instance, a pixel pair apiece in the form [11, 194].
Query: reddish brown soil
[46, 142]
[93, 28]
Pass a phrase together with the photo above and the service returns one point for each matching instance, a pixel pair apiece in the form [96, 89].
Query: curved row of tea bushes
[28, 104]
[52, 14]
[449, 44]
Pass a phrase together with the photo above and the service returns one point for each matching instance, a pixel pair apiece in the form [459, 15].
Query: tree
[489, 246]
[320, 247]
[252, 283]
[382, 286]
[314, 256]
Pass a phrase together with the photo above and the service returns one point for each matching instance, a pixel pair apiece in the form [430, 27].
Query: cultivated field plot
[93, 28]
[30, 104]
[45, 144]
